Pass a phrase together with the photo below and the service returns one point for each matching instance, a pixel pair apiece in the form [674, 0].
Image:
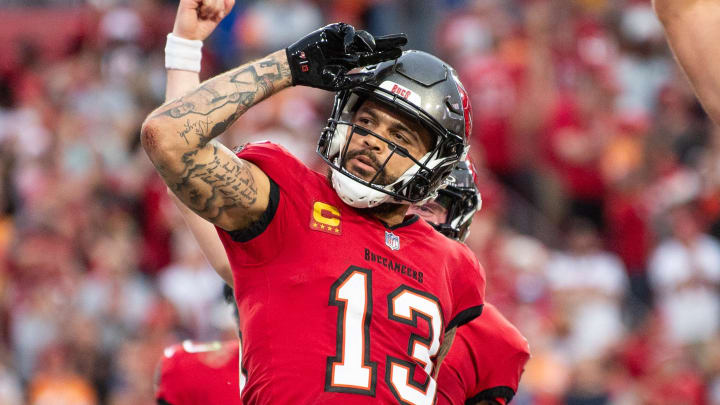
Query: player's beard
[383, 178]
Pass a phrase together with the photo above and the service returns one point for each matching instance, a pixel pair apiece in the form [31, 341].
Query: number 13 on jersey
[351, 370]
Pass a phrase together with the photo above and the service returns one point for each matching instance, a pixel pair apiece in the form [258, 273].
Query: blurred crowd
[599, 174]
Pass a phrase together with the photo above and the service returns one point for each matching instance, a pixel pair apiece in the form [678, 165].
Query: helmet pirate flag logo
[325, 218]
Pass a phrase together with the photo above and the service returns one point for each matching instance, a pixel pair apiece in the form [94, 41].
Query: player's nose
[373, 143]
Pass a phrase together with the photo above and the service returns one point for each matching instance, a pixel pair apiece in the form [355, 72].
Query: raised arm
[693, 28]
[179, 136]
[205, 175]
[178, 83]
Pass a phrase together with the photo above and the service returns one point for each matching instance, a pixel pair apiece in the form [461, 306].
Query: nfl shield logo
[392, 241]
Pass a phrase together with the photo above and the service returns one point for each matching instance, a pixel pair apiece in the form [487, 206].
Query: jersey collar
[409, 220]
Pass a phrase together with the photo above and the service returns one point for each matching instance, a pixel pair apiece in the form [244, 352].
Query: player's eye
[401, 137]
[425, 208]
[364, 121]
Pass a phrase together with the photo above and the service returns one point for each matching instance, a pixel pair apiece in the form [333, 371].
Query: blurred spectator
[274, 24]
[415, 18]
[685, 274]
[10, 388]
[133, 371]
[643, 67]
[191, 285]
[55, 382]
[589, 384]
[674, 380]
[576, 136]
[156, 229]
[115, 291]
[588, 286]
[626, 214]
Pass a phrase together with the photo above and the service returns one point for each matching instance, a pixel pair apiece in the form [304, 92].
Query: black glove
[323, 58]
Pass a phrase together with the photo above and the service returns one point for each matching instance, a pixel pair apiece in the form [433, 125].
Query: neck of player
[390, 214]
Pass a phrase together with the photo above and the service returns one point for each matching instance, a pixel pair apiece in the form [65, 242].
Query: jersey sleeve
[468, 289]
[503, 382]
[500, 352]
[264, 238]
[167, 379]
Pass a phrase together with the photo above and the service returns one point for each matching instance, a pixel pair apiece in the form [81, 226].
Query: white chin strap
[358, 195]
[355, 194]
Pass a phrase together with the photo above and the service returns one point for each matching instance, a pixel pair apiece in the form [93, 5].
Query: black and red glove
[324, 57]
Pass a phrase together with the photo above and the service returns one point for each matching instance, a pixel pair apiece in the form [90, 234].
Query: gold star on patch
[325, 217]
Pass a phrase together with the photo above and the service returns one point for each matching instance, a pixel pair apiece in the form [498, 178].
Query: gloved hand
[323, 58]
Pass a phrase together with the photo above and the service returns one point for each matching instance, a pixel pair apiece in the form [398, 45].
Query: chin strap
[356, 194]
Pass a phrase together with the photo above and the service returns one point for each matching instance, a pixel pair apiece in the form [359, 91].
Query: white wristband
[183, 54]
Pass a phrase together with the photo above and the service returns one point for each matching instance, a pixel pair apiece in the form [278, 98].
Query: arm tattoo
[204, 175]
[241, 88]
[222, 185]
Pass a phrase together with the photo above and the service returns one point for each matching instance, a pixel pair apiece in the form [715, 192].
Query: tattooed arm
[179, 82]
[191, 24]
[444, 348]
[179, 136]
[205, 175]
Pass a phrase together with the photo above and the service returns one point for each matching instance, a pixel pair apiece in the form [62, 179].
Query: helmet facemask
[424, 90]
[461, 206]
[460, 200]
[417, 184]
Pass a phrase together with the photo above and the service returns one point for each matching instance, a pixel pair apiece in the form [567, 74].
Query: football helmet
[462, 200]
[426, 90]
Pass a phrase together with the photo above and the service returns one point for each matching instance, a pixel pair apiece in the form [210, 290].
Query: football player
[489, 354]
[690, 27]
[344, 299]
[193, 373]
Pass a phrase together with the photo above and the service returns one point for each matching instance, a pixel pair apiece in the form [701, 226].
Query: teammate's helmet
[461, 198]
[423, 88]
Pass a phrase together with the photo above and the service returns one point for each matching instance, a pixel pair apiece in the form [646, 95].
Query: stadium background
[600, 177]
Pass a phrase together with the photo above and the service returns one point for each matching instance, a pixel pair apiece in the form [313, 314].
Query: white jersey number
[351, 370]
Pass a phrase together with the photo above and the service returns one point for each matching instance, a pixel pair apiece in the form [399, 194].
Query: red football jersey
[486, 361]
[337, 308]
[200, 373]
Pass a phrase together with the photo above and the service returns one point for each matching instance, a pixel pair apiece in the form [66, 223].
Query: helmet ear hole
[422, 185]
